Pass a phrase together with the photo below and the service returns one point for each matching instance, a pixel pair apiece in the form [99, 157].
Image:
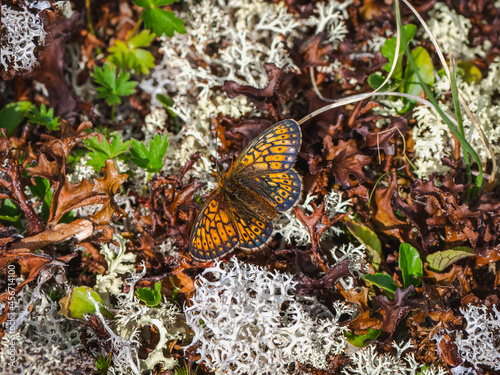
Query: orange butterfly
[260, 184]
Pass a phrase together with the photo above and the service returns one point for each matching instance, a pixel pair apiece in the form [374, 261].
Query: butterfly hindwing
[281, 190]
[253, 233]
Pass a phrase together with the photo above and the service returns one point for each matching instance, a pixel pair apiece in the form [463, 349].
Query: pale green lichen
[366, 361]
[478, 344]
[119, 262]
[250, 321]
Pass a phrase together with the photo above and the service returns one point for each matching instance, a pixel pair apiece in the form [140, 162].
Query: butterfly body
[260, 184]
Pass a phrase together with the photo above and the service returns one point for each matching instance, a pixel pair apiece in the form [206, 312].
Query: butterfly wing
[265, 166]
[274, 150]
[253, 220]
[214, 232]
[282, 190]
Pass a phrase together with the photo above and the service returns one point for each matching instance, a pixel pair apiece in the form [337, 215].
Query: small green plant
[160, 20]
[186, 370]
[363, 340]
[367, 237]
[103, 150]
[75, 156]
[129, 55]
[43, 117]
[113, 86]
[151, 297]
[440, 260]
[410, 265]
[41, 190]
[12, 115]
[55, 294]
[150, 159]
[103, 363]
[10, 214]
[411, 268]
[80, 302]
[405, 79]
[167, 103]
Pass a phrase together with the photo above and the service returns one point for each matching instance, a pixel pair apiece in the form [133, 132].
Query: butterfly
[260, 184]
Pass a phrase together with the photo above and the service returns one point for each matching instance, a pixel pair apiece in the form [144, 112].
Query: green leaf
[103, 150]
[9, 211]
[383, 281]
[113, 87]
[75, 156]
[12, 115]
[40, 188]
[471, 73]
[103, 363]
[166, 102]
[160, 20]
[367, 237]
[411, 82]
[442, 259]
[375, 81]
[78, 303]
[129, 56]
[42, 191]
[410, 265]
[362, 340]
[150, 159]
[151, 297]
[389, 48]
[43, 117]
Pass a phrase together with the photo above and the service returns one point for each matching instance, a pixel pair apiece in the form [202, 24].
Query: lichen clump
[249, 320]
[22, 32]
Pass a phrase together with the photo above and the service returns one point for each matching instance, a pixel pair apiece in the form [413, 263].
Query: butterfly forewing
[214, 233]
[274, 150]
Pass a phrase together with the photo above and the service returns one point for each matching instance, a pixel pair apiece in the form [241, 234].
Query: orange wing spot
[278, 149]
[255, 229]
[215, 237]
[275, 158]
[276, 165]
[222, 232]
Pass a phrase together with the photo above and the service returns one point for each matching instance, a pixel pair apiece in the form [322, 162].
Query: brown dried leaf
[308, 286]
[448, 351]
[33, 262]
[50, 72]
[345, 160]
[80, 229]
[101, 191]
[314, 54]
[266, 98]
[396, 310]
[385, 218]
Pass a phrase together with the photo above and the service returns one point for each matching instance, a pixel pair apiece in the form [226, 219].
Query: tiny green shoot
[113, 86]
